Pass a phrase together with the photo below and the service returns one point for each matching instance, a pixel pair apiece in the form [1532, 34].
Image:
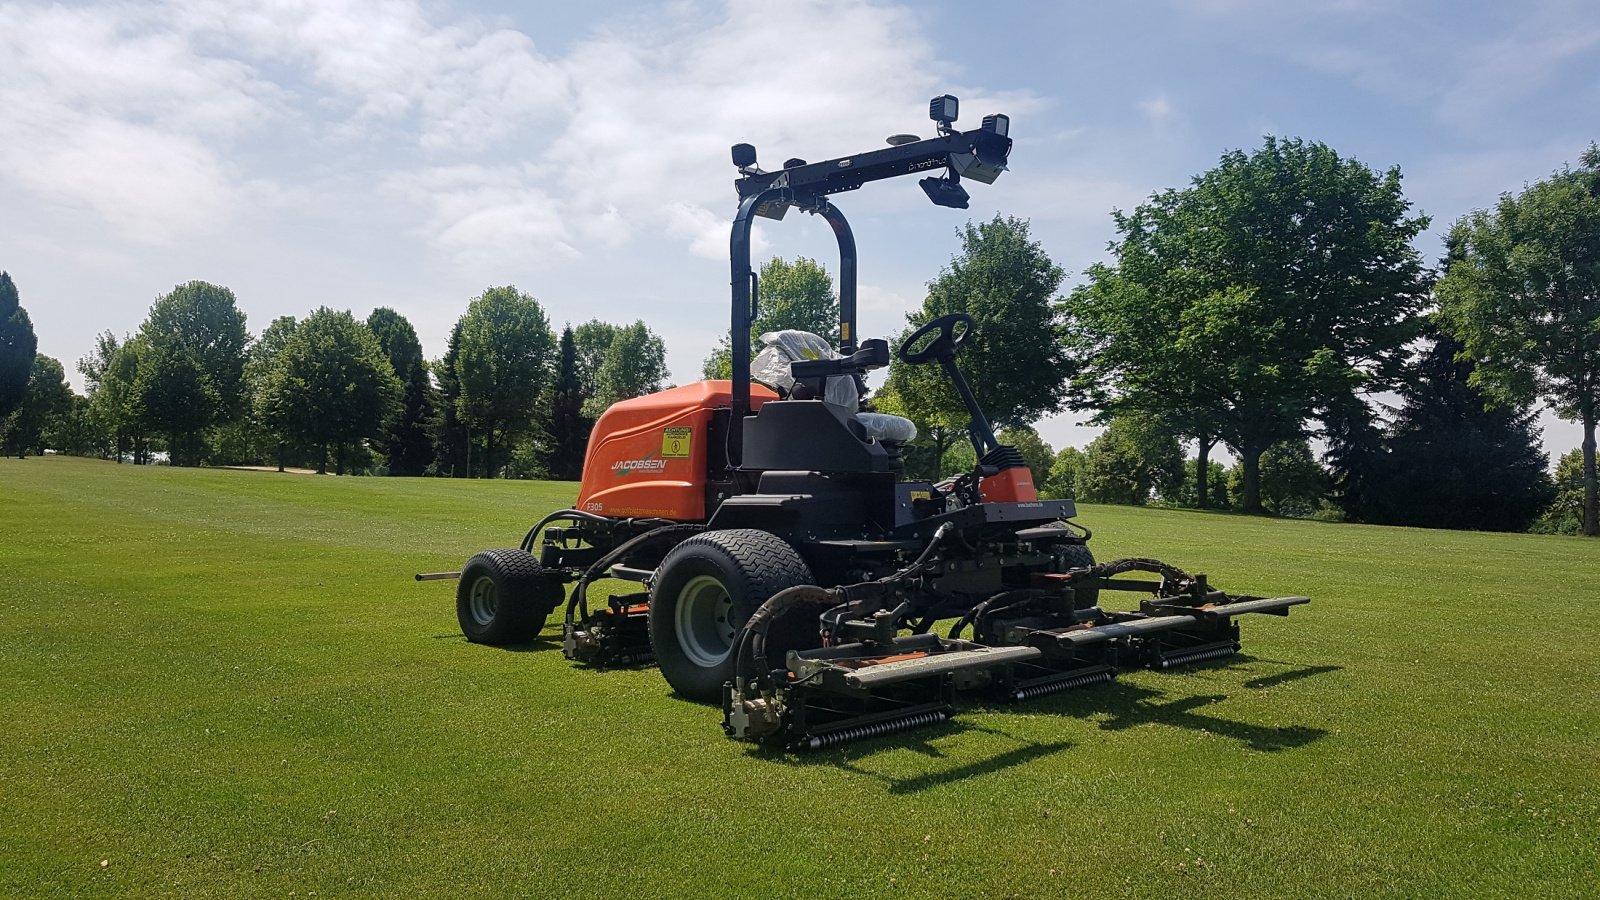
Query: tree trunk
[1591, 527]
[338, 459]
[488, 453]
[322, 460]
[1202, 470]
[1250, 488]
[467, 429]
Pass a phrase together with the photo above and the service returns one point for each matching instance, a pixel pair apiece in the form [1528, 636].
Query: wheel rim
[482, 600]
[704, 619]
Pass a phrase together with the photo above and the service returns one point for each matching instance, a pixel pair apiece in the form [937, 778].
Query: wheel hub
[704, 616]
[482, 600]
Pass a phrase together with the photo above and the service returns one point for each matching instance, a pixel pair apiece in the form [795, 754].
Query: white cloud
[495, 143]
[102, 110]
[1157, 109]
[480, 214]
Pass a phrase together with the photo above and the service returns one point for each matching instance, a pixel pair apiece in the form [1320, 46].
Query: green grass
[226, 684]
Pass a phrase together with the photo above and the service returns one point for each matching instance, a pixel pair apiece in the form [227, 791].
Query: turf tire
[1066, 557]
[504, 597]
[749, 566]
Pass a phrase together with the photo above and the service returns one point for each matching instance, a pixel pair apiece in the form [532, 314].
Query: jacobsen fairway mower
[784, 566]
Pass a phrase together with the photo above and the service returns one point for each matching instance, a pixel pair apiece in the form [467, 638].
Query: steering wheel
[942, 346]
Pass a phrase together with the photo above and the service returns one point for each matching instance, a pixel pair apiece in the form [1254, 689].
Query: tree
[1189, 492]
[1564, 515]
[116, 404]
[591, 342]
[18, 346]
[565, 426]
[46, 399]
[1522, 293]
[1293, 483]
[1039, 455]
[193, 372]
[635, 364]
[76, 433]
[1132, 459]
[1005, 281]
[797, 295]
[408, 449]
[179, 401]
[1273, 289]
[503, 362]
[1450, 462]
[262, 359]
[330, 387]
[449, 432]
[1062, 482]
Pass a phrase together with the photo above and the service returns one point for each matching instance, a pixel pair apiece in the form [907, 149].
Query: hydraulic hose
[533, 533]
[751, 650]
[579, 599]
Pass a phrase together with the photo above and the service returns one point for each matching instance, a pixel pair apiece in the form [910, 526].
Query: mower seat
[783, 348]
[886, 427]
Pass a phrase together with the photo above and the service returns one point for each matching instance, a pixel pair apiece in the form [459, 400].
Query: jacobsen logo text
[648, 464]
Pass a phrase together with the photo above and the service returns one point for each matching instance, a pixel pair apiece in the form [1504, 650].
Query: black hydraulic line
[750, 652]
[533, 533]
[579, 599]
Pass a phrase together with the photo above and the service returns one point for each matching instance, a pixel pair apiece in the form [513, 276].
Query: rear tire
[504, 597]
[704, 591]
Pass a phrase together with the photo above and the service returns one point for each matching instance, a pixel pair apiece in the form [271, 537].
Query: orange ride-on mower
[786, 569]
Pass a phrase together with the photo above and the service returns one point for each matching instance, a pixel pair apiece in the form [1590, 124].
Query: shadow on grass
[1267, 681]
[1120, 705]
[537, 645]
[919, 741]
[1115, 706]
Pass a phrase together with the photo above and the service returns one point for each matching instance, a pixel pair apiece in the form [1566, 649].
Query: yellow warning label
[675, 442]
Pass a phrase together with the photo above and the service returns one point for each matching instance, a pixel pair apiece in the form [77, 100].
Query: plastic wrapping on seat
[771, 368]
[780, 348]
[884, 427]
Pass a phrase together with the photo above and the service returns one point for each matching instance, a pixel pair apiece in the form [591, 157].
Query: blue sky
[357, 153]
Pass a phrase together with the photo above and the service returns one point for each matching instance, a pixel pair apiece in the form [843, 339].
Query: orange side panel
[1010, 486]
[647, 455]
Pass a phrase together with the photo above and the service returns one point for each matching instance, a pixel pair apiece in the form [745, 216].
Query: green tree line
[1266, 304]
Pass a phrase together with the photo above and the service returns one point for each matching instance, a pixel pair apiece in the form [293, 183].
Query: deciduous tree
[193, 372]
[1133, 459]
[797, 295]
[635, 364]
[1522, 292]
[1005, 281]
[46, 399]
[1276, 286]
[330, 387]
[503, 363]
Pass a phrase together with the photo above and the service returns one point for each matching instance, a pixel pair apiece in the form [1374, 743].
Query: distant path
[289, 470]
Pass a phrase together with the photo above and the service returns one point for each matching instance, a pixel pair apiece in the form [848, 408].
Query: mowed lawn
[219, 683]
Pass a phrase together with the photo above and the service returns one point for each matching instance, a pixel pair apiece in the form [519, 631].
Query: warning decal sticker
[675, 442]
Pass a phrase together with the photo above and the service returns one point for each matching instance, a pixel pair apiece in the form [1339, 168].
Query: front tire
[704, 591]
[1065, 558]
[504, 597]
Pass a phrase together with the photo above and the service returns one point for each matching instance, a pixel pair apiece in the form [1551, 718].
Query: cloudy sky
[357, 153]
